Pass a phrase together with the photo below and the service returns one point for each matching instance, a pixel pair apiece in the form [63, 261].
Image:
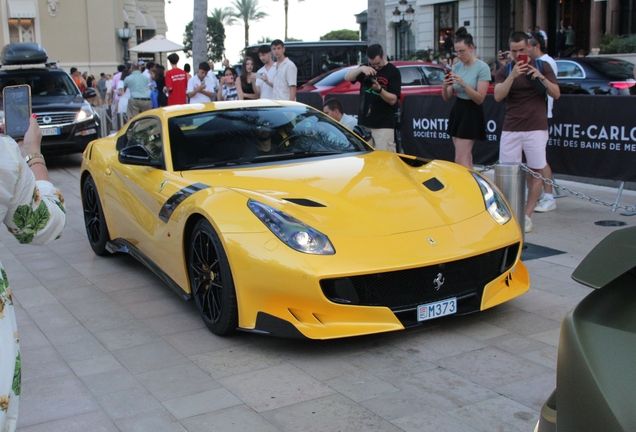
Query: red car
[417, 78]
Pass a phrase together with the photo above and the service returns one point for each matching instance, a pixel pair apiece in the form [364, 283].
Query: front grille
[406, 289]
[57, 118]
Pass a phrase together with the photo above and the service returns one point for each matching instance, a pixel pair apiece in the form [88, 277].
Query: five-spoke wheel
[94, 221]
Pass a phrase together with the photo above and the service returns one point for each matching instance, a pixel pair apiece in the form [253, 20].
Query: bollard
[511, 181]
[105, 120]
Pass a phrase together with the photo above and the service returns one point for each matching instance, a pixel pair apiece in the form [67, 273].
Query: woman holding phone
[228, 90]
[33, 211]
[470, 79]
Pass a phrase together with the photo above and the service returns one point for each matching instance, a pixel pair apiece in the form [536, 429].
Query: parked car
[276, 219]
[314, 58]
[417, 78]
[596, 367]
[67, 120]
[595, 76]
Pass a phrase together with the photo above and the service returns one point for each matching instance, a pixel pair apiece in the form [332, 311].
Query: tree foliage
[215, 39]
[343, 34]
[224, 15]
[247, 11]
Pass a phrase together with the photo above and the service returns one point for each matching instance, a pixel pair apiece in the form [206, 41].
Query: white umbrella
[158, 44]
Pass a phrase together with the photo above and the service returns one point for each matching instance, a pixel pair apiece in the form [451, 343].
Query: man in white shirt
[286, 72]
[202, 87]
[536, 50]
[267, 73]
[149, 68]
[333, 108]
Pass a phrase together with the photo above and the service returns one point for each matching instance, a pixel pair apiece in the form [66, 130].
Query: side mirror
[138, 155]
[89, 93]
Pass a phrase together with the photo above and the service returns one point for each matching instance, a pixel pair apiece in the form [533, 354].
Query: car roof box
[22, 53]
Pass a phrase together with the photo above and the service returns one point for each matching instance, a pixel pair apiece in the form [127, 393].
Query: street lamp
[125, 34]
[403, 17]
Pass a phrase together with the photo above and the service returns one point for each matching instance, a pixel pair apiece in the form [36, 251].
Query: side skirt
[122, 246]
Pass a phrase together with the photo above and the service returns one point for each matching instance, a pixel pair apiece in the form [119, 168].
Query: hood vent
[415, 163]
[305, 202]
[433, 184]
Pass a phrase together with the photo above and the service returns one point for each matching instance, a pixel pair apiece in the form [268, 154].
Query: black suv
[67, 120]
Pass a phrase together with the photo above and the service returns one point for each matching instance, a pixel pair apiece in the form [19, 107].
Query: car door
[141, 190]
[412, 80]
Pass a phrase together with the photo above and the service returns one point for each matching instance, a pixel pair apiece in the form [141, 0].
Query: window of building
[21, 30]
[445, 24]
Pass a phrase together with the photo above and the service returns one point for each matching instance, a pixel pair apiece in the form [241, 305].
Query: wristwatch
[27, 158]
[464, 86]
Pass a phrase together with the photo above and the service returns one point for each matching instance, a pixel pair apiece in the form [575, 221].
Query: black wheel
[96, 229]
[211, 281]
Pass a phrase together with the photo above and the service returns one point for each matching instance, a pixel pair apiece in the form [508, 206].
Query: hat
[141, 62]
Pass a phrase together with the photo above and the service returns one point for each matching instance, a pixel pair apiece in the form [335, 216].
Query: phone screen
[522, 57]
[17, 110]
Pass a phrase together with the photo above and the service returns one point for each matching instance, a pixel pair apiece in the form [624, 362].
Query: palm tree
[247, 10]
[200, 31]
[224, 15]
[286, 9]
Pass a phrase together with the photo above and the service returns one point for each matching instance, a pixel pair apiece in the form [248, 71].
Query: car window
[146, 132]
[568, 69]
[303, 61]
[330, 79]
[434, 75]
[613, 68]
[256, 135]
[411, 76]
[333, 59]
[42, 82]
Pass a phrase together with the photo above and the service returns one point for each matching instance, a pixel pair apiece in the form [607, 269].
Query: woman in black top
[247, 80]
[160, 80]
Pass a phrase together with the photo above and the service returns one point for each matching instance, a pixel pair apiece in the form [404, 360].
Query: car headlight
[495, 204]
[291, 231]
[86, 112]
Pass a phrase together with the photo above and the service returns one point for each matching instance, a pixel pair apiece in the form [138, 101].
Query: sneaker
[545, 205]
[529, 225]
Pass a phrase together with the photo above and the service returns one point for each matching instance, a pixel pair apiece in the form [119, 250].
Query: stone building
[491, 22]
[83, 33]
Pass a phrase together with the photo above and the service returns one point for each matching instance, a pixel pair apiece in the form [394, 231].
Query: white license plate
[50, 131]
[437, 309]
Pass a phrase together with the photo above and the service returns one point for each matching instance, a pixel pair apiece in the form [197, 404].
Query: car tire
[94, 221]
[211, 282]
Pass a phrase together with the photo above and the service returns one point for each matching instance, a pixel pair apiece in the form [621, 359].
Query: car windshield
[256, 135]
[329, 79]
[613, 68]
[42, 82]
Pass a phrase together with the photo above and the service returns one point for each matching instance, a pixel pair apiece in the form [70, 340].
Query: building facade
[82, 33]
[492, 21]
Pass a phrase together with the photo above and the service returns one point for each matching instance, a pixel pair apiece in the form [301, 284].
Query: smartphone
[16, 102]
[522, 57]
[259, 75]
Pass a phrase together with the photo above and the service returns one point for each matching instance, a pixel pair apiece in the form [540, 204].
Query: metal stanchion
[105, 120]
[121, 120]
[511, 181]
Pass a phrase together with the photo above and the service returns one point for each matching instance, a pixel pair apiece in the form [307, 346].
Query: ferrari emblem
[431, 241]
[163, 184]
[438, 281]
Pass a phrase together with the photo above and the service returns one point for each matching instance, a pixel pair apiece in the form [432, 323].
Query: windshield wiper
[220, 164]
[294, 155]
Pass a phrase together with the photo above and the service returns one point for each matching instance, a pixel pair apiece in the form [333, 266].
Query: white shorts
[384, 139]
[531, 143]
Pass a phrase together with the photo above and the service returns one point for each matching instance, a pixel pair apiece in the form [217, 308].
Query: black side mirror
[138, 155]
[89, 93]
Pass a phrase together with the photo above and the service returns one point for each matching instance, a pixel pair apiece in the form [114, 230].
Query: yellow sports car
[278, 220]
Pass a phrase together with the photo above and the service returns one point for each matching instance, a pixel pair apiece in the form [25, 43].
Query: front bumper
[71, 138]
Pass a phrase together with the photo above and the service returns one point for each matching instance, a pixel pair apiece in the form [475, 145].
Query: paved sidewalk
[106, 346]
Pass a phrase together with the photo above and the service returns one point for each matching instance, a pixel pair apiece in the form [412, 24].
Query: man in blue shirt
[139, 92]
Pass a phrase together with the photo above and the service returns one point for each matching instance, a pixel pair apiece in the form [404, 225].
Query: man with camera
[380, 87]
[525, 128]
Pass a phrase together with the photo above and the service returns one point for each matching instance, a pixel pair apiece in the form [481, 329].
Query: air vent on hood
[305, 202]
[434, 184]
[415, 163]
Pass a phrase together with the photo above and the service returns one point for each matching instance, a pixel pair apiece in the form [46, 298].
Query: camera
[368, 81]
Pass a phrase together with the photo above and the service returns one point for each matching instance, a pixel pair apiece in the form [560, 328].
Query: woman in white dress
[124, 97]
[33, 211]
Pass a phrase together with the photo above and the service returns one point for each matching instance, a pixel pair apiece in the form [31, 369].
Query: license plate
[50, 131]
[437, 309]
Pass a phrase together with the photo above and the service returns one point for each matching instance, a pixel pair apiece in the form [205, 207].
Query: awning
[126, 19]
[22, 8]
[430, 2]
[151, 24]
[140, 21]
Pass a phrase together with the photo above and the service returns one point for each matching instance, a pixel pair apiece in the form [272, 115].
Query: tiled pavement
[106, 346]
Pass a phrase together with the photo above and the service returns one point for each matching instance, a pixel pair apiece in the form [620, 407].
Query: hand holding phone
[522, 58]
[259, 75]
[16, 101]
